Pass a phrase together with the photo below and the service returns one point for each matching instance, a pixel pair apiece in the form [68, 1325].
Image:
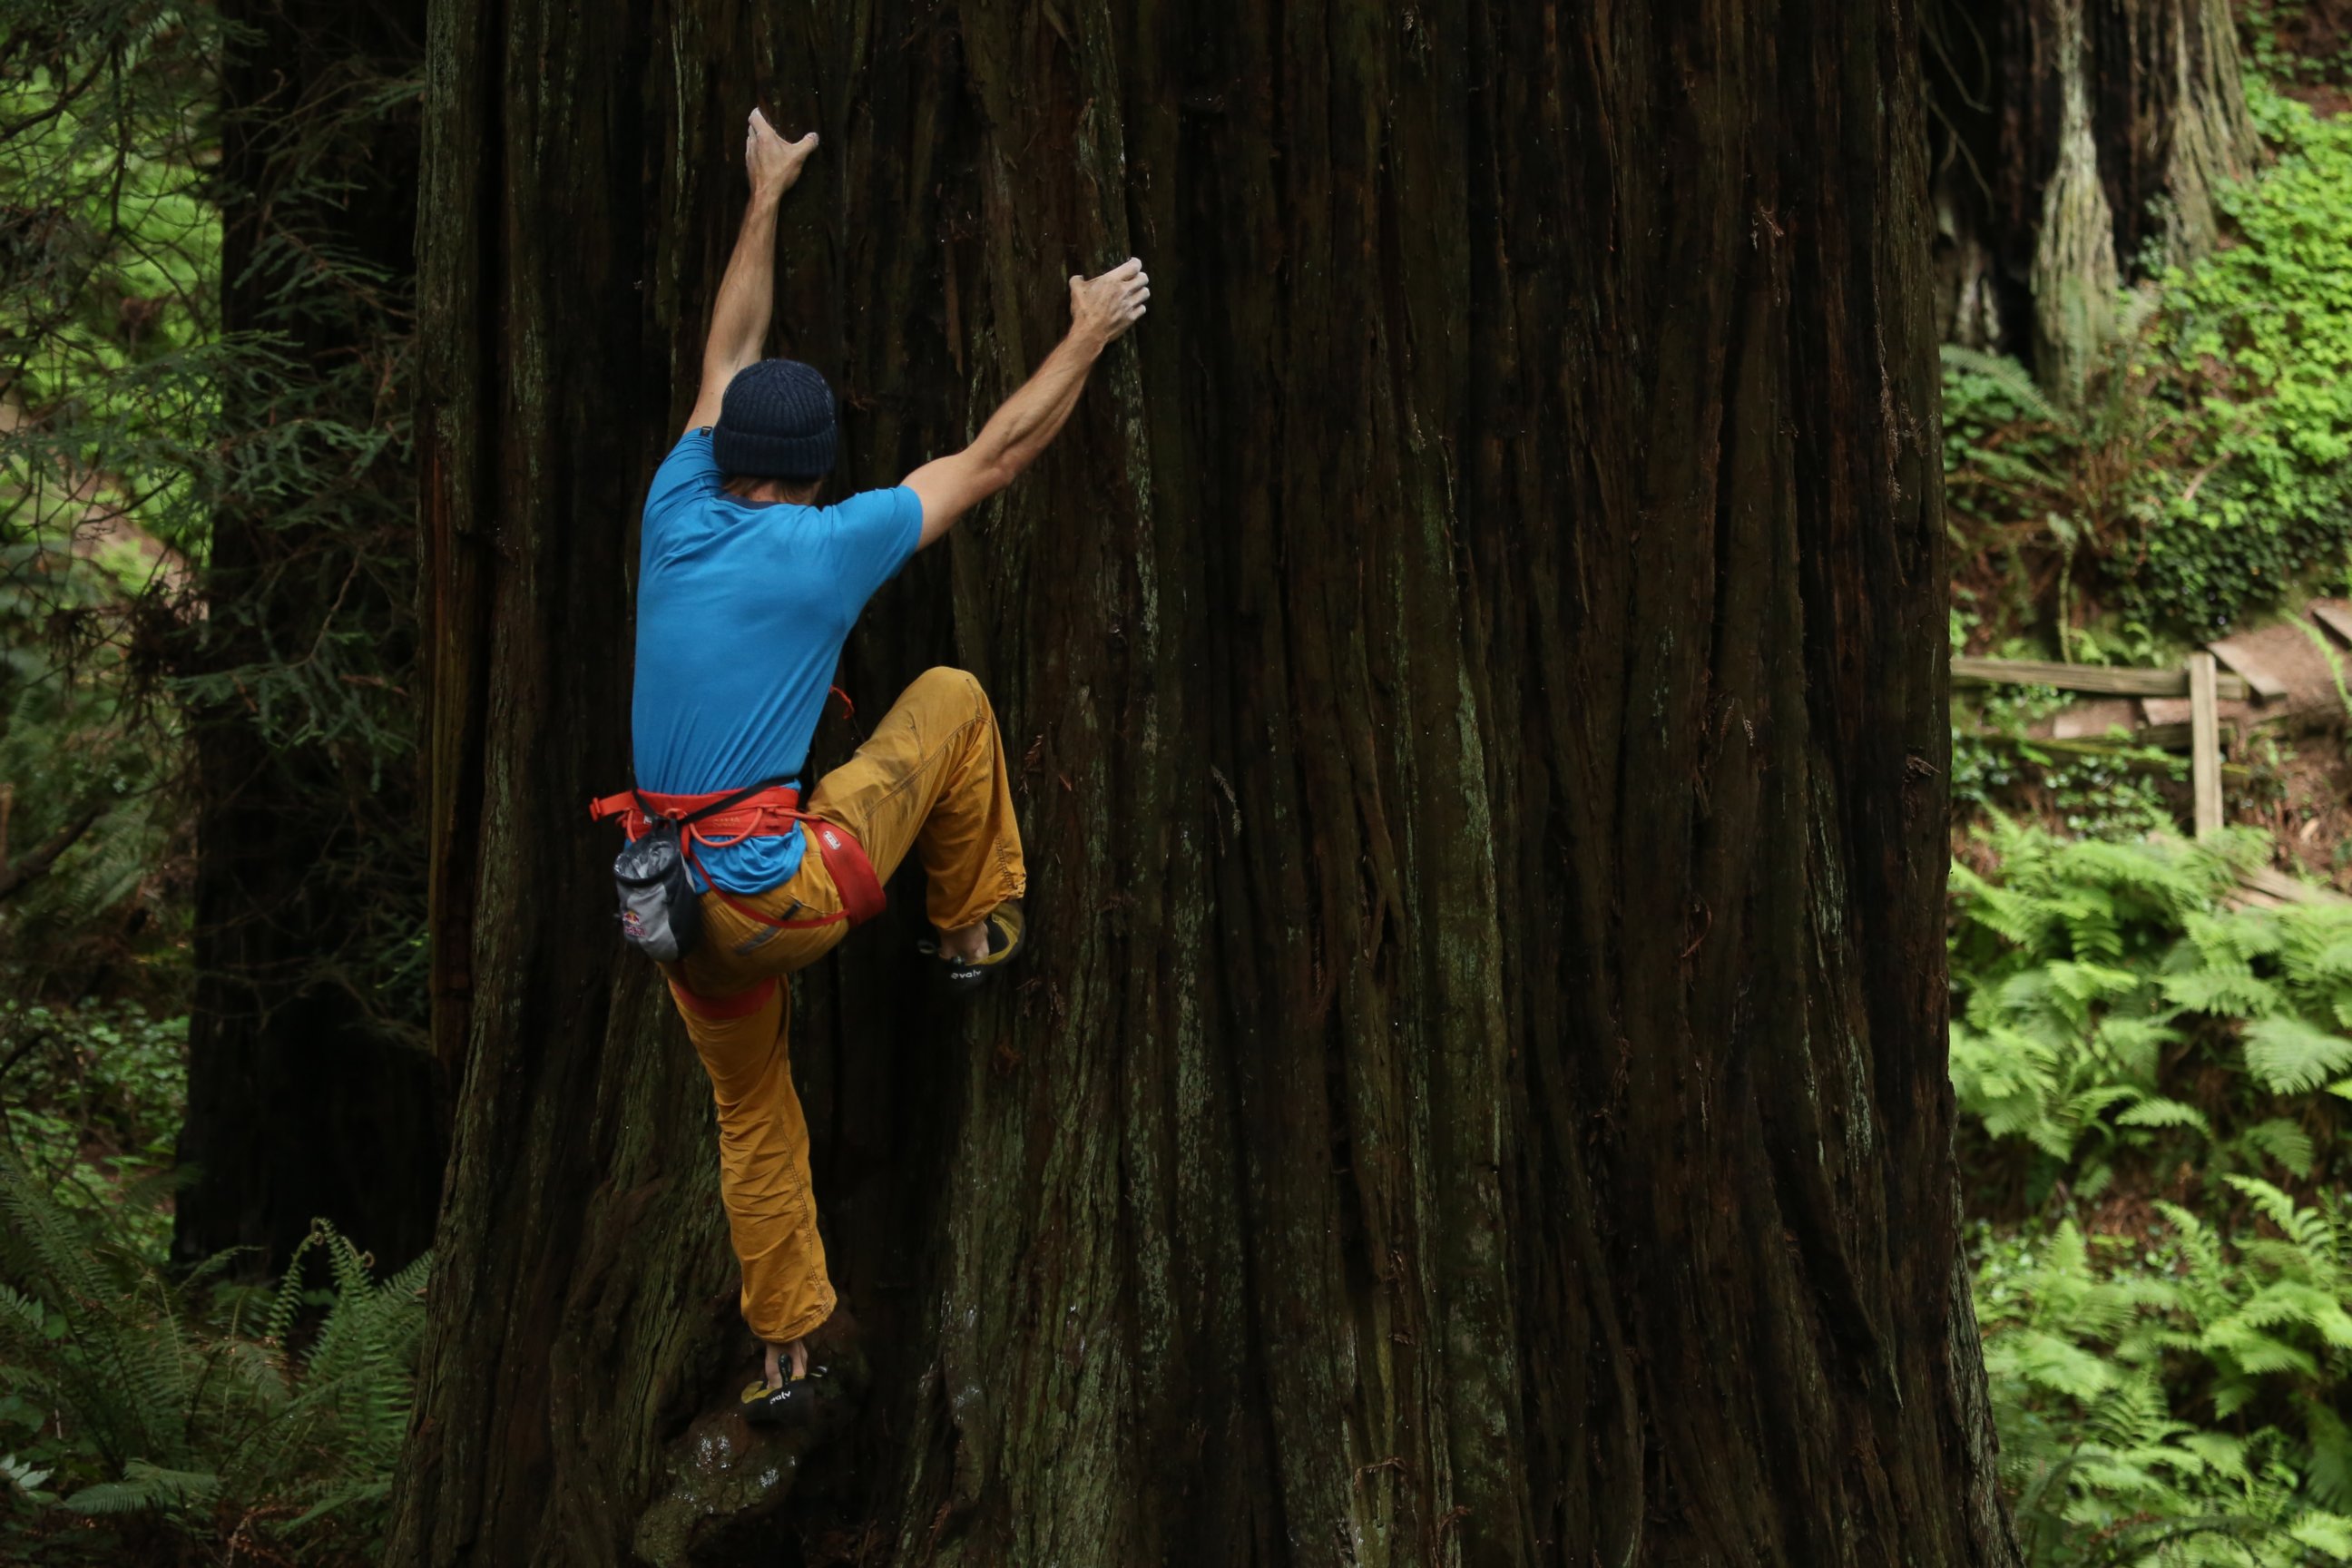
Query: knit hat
[775, 422]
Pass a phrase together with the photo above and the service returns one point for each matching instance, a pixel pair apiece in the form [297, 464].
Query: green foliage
[2108, 1003]
[2294, 41]
[2170, 1400]
[120, 1400]
[87, 766]
[2258, 336]
[135, 423]
[2167, 1393]
[2113, 791]
[2040, 493]
[94, 1096]
[2210, 470]
[109, 392]
[109, 305]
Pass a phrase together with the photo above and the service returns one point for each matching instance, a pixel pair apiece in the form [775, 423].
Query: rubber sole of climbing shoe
[792, 1404]
[1006, 928]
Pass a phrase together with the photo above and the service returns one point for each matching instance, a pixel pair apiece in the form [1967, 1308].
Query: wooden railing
[2107, 679]
[2199, 678]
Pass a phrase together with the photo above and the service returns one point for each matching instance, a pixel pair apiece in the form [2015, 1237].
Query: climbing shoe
[1005, 929]
[792, 1404]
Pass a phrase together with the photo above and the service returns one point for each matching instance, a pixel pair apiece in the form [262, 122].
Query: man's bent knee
[943, 680]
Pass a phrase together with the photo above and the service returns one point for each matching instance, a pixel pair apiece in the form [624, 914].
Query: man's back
[742, 608]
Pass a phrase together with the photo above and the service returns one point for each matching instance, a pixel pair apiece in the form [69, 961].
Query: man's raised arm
[747, 294]
[1101, 310]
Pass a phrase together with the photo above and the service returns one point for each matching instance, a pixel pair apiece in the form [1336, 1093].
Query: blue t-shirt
[741, 612]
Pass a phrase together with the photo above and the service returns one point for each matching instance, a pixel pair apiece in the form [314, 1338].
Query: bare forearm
[739, 318]
[1101, 308]
[739, 321]
[1033, 415]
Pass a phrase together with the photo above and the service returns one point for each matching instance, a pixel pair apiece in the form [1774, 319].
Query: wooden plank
[2274, 884]
[2205, 742]
[2335, 617]
[2236, 655]
[2092, 717]
[2112, 680]
[2162, 737]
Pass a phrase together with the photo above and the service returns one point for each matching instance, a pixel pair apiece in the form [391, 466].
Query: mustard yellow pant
[932, 779]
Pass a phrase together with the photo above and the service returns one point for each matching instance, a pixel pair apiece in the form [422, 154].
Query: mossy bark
[2078, 145]
[2074, 276]
[1476, 664]
[2212, 141]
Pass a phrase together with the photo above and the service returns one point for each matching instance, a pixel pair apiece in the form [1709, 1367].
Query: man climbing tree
[747, 589]
[1474, 678]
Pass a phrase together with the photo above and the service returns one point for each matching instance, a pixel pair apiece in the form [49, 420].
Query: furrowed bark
[1475, 663]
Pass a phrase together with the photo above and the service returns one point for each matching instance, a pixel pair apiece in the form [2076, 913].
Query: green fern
[2288, 1056]
[2013, 380]
[176, 1419]
[2168, 1399]
[2100, 1350]
[2090, 980]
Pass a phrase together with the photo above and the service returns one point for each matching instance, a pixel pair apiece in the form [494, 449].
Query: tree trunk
[1476, 664]
[2078, 144]
[303, 1099]
[2074, 276]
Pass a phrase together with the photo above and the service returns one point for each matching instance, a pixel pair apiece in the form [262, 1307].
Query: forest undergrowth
[151, 1411]
[2154, 1071]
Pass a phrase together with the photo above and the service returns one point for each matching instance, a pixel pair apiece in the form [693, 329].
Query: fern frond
[144, 1486]
[2328, 1471]
[2222, 993]
[2288, 1056]
[2158, 1111]
[2278, 1138]
[2329, 1533]
[2014, 381]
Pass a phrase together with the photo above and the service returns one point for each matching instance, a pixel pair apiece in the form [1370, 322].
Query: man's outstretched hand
[773, 163]
[739, 319]
[1103, 308]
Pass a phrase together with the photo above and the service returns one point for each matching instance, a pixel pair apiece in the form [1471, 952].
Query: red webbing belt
[766, 812]
[771, 810]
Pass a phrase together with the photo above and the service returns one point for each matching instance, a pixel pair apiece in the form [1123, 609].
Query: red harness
[770, 811]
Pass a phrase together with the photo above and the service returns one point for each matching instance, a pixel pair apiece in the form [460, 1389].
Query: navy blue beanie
[775, 422]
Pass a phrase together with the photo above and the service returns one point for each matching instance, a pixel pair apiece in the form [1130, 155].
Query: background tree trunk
[1476, 665]
[2078, 144]
[303, 1099]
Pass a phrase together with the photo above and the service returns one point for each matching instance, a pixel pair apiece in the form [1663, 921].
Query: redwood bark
[1476, 661]
[2133, 108]
[306, 1097]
